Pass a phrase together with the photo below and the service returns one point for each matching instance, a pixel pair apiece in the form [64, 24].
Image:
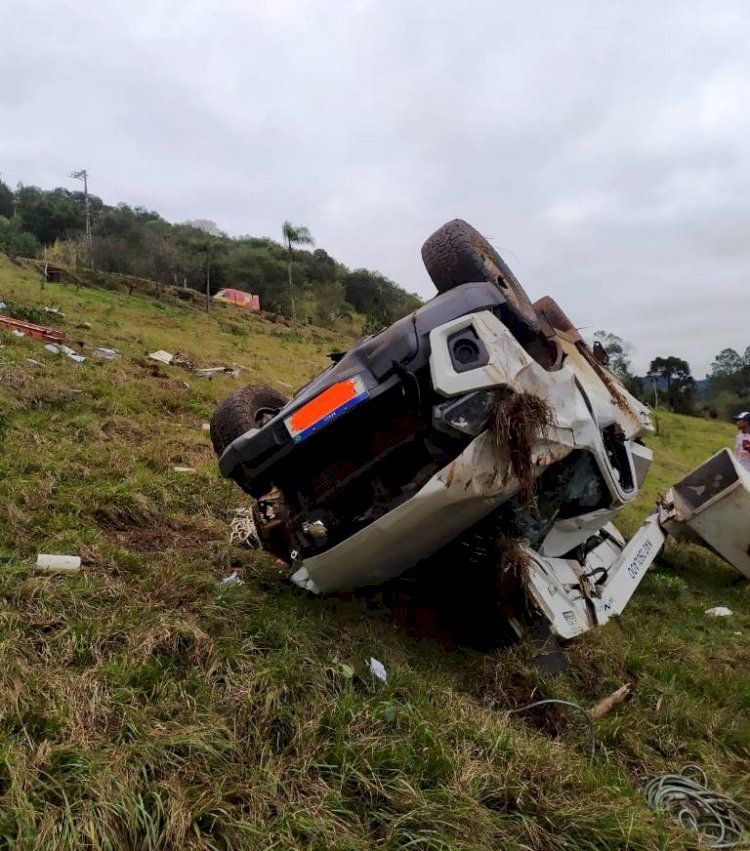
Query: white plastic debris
[52, 563]
[161, 356]
[105, 354]
[17, 333]
[377, 669]
[72, 354]
[33, 362]
[51, 347]
[719, 612]
[232, 579]
[184, 469]
[206, 426]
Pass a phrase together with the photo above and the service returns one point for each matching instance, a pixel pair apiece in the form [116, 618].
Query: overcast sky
[602, 146]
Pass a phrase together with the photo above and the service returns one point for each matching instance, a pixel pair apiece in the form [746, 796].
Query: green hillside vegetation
[144, 705]
[139, 242]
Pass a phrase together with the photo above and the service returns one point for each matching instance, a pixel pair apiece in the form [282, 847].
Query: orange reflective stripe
[328, 401]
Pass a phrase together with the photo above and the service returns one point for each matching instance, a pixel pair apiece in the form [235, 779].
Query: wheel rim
[265, 415]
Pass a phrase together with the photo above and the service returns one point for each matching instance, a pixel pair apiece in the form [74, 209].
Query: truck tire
[458, 254]
[554, 314]
[249, 407]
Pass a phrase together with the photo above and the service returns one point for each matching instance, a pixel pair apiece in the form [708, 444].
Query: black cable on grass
[569, 703]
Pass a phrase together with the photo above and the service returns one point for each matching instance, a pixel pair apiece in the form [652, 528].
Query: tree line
[291, 276]
[669, 382]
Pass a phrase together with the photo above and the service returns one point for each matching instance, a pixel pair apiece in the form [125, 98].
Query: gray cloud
[601, 146]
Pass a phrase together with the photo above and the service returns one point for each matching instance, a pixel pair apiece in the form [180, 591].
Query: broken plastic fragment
[377, 669]
[232, 579]
[302, 578]
[51, 347]
[719, 612]
[184, 469]
[51, 563]
[105, 354]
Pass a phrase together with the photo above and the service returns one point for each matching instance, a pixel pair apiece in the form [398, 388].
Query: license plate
[323, 409]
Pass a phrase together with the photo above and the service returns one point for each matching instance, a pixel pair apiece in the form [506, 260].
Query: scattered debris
[55, 311]
[709, 507]
[719, 612]
[214, 370]
[714, 816]
[21, 328]
[33, 362]
[232, 579]
[105, 354]
[57, 349]
[178, 359]
[206, 426]
[607, 704]
[161, 356]
[377, 669]
[244, 530]
[72, 354]
[51, 563]
[184, 469]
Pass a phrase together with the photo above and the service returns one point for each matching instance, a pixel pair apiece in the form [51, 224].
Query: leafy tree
[206, 225]
[6, 201]
[619, 352]
[674, 374]
[730, 372]
[49, 215]
[294, 236]
[15, 241]
[322, 267]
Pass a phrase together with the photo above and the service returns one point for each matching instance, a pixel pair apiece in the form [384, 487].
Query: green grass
[142, 706]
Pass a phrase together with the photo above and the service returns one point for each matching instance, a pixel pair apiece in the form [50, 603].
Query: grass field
[144, 706]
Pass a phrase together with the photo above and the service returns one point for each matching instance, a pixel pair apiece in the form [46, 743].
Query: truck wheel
[249, 407]
[458, 254]
[554, 314]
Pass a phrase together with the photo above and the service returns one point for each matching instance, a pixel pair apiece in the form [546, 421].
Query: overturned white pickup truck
[479, 417]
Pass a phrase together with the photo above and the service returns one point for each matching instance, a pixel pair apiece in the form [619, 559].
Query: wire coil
[716, 817]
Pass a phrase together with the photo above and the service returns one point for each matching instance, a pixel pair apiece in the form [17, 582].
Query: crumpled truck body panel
[711, 505]
[477, 481]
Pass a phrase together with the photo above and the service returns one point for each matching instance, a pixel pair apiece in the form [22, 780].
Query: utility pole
[84, 176]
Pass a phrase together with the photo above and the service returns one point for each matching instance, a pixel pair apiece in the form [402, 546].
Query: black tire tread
[458, 254]
[237, 413]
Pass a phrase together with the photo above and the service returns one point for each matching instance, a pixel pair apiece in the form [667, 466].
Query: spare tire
[247, 408]
[458, 254]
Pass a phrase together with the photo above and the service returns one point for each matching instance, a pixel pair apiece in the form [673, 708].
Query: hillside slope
[143, 705]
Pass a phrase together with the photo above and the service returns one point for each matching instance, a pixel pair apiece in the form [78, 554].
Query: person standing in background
[742, 443]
